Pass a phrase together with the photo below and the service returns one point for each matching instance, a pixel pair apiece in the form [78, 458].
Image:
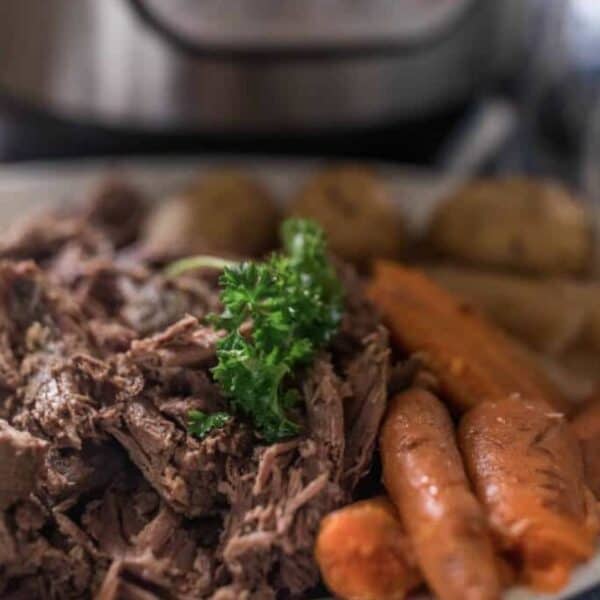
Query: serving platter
[31, 187]
[37, 186]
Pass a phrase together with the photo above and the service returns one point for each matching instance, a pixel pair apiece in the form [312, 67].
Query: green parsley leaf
[201, 424]
[292, 305]
[276, 315]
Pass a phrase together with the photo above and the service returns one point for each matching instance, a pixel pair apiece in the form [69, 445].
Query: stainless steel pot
[252, 65]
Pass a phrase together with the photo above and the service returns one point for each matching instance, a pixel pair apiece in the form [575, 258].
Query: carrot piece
[586, 427]
[527, 470]
[473, 360]
[425, 477]
[363, 552]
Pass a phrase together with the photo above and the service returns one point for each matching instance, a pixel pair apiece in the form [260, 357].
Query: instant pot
[253, 66]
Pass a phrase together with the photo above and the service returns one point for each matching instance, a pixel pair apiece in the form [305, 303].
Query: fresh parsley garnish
[201, 424]
[276, 315]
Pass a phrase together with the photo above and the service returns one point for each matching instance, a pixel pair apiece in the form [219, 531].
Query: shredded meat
[103, 492]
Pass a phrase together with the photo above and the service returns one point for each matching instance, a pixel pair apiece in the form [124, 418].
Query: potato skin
[514, 223]
[551, 315]
[355, 209]
[225, 212]
[234, 212]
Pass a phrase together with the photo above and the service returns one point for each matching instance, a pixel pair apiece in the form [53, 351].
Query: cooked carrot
[473, 360]
[425, 477]
[363, 552]
[527, 470]
[586, 426]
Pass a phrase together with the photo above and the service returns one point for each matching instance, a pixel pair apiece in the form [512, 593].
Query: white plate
[36, 186]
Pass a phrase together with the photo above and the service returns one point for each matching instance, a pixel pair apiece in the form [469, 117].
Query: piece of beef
[10, 378]
[110, 336]
[21, 456]
[124, 508]
[43, 237]
[358, 321]
[69, 474]
[173, 364]
[118, 209]
[367, 375]
[140, 300]
[326, 399]
[183, 344]
[74, 261]
[34, 310]
[152, 425]
[53, 405]
[44, 329]
[40, 559]
[62, 383]
[184, 470]
[153, 552]
[154, 304]
[98, 286]
[279, 497]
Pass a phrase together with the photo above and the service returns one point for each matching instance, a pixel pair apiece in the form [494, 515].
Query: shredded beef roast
[104, 493]
[21, 456]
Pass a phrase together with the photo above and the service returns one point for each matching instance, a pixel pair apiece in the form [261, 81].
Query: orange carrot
[363, 553]
[473, 360]
[527, 470]
[425, 477]
[586, 427]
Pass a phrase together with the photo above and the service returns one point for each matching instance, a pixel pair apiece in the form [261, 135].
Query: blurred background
[469, 85]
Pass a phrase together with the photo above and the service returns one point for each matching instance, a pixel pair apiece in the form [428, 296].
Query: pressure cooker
[262, 66]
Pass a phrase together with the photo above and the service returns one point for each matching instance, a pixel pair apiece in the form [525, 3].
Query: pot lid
[260, 25]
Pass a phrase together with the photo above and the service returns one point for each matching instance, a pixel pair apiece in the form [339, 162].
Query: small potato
[354, 208]
[226, 212]
[514, 223]
[552, 315]
[166, 232]
[234, 212]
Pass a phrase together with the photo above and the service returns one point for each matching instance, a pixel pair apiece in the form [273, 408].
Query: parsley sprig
[201, 424]
[276, 315]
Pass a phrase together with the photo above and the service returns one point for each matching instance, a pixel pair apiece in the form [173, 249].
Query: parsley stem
[198, 262]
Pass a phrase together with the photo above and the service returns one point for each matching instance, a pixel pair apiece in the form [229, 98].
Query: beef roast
[118, 209]
[40, 558]
[104, 493]
[278, 499]
[21, 456]
[184, 470]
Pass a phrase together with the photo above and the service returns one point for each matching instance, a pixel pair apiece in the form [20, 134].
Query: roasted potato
[552, 315]
[514, 223]
[167, 231]
[226, 212]
[355, 209]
